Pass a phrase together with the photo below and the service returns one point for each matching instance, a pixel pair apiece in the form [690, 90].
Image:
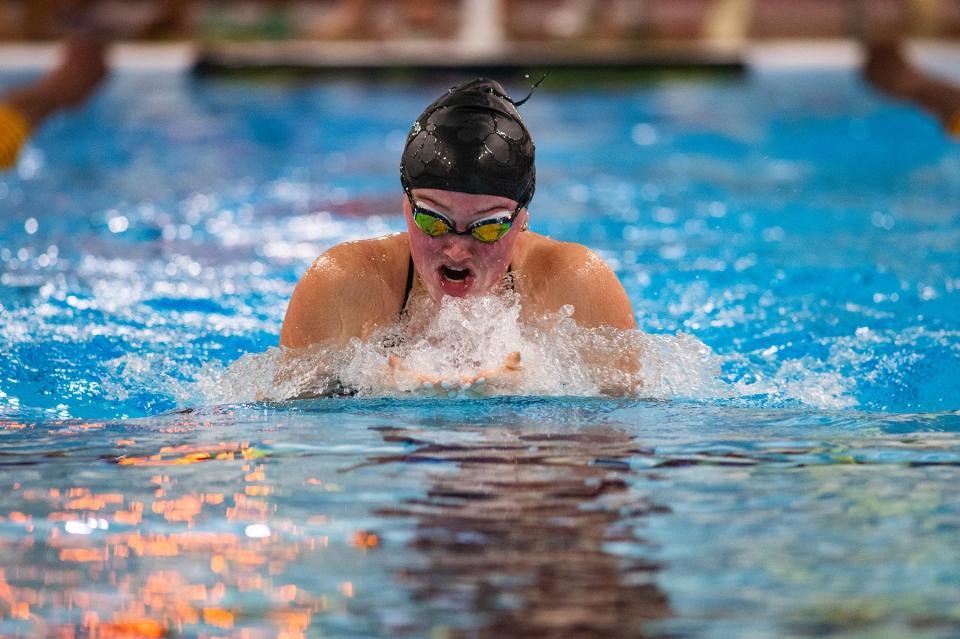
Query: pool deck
[363, 59]
[426, 57]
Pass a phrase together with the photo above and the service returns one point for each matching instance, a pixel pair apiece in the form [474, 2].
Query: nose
[457, 248]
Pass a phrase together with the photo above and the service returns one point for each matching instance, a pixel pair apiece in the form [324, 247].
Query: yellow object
[953, 124]
[14, 131]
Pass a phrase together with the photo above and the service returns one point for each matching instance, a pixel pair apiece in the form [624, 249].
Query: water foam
[801, 380]
[462, 339]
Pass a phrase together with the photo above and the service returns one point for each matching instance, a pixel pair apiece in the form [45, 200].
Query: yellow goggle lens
[432, 226]
[490, 232]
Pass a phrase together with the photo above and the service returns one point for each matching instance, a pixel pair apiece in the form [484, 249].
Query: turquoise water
[801, 227]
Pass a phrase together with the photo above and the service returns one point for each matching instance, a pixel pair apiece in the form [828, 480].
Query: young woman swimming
[468, 176]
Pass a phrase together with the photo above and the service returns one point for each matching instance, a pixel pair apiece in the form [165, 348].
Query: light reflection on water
[161, 230]
[503, 517]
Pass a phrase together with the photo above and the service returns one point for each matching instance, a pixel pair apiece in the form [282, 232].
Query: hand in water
[499, 379]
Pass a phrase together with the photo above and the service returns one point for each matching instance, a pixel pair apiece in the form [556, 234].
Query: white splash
[458, 348]
[803, 380]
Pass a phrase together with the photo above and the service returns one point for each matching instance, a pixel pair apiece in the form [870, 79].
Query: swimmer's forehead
[465, 203]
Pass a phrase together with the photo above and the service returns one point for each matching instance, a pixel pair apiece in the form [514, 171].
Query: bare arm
[82, 69]
[24, 108]
[348, 291]
[584, 281]
[315, 312]
[889, 70]
[321, 314]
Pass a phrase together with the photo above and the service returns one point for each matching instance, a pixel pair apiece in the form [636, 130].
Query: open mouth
[454, 274]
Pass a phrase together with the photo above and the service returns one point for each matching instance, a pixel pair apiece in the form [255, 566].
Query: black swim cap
[472, 140]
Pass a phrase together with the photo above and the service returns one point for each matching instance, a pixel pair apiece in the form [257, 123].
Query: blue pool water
[795, 476]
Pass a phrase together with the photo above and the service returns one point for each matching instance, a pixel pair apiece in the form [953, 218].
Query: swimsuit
[406, 292]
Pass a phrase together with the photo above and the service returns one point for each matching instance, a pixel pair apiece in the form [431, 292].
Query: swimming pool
[801, 227]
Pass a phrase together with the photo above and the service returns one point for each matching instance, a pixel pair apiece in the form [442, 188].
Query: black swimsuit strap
[406, 292]
[409, 287]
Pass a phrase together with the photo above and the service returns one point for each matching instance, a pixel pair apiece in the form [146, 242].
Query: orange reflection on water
[130, 517]
[17, 601]
[83, 555]
[183, 508]
[86, 501]
[132, 564]
[20, 610]
[129, 628]
[218, 617]
[159, 602]
[292, 621]
[363, 539]
[246, 509]
[188, 454]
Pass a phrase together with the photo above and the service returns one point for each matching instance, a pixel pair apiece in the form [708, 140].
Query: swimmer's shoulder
[347, 291]
[560, 273]
[371, 256]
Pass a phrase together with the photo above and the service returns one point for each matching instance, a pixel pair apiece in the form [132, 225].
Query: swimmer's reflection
[516, 535]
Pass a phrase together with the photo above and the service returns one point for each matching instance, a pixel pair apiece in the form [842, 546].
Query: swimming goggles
[486, 230]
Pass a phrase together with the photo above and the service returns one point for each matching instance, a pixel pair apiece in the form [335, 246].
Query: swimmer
[889, 69]
[23, 109]
[83, 67]
[468, 176]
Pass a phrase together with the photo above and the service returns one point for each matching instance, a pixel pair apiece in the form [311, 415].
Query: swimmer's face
[461, 265]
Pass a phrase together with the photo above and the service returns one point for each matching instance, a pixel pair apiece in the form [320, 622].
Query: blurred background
[486, 26]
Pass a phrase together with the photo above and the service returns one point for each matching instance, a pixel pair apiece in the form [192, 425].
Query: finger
[427, 381]
[512, 361]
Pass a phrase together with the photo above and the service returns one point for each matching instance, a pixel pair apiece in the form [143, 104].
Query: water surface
[798, 225]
